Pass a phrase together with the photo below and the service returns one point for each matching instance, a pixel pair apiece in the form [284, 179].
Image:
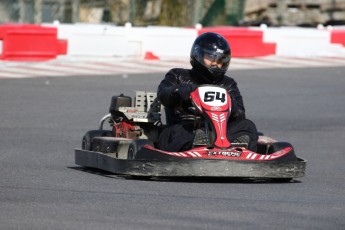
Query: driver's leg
[243, 131]
[175, 138]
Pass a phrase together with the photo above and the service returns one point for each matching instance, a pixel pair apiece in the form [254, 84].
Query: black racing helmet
[213, 47]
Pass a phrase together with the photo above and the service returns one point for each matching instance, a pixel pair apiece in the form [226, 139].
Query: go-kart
[130, 146]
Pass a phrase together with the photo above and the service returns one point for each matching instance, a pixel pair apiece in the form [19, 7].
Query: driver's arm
[237, 111]
[167, 90]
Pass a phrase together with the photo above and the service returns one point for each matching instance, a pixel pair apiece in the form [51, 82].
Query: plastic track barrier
[244, 42]
[338, 36]
[30, 42]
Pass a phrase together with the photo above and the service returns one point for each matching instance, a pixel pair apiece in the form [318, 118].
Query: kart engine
[127, 130]
[134, 122]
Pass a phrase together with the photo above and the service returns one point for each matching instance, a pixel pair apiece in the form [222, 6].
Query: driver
[210, 58]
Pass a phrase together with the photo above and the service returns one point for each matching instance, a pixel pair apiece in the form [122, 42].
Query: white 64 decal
[213, 96]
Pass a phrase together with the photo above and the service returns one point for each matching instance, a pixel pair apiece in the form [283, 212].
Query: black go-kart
[130, 146]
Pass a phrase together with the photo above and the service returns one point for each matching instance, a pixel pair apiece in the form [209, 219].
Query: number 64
[211, 96]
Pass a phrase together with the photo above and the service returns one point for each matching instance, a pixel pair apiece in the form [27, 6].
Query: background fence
[138, 12]
[175, 12]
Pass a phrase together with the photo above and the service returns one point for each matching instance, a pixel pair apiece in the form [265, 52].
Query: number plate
[213, 96]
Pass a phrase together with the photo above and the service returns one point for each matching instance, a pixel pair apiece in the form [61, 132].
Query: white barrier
[85, 40]
[166, 42]
[292, 41]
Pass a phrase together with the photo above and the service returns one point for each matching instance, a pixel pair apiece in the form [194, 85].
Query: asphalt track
[43, 119]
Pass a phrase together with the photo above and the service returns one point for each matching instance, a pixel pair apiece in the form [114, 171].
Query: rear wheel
[135, 146]
[88, 137]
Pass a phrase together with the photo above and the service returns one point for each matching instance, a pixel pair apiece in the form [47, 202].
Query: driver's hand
[184, 91]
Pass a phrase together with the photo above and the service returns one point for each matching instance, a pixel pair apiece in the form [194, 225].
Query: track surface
[43, 120]
[111, 66]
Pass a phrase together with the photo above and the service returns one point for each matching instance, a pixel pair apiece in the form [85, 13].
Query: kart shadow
[216, 180]
[95, 171]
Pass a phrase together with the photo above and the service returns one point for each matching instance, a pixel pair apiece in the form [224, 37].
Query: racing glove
[184, 90]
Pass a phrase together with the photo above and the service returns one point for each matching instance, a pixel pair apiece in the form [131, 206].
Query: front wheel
[277, 146]
[135, 146]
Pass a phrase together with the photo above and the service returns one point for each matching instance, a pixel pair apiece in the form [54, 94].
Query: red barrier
[30, 43]
[338, 36]
[244, 42]
[150, 56]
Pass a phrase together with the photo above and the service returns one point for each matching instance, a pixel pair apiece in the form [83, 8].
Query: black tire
[274, 147]
[88, 137]
[260, 133]
[135, 146]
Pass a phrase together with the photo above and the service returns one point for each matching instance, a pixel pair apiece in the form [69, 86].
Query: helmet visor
[218, 58]
[211, 58]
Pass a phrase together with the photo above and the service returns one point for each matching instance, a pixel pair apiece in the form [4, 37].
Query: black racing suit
[178, 136]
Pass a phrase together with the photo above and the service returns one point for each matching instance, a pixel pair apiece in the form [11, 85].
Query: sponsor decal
[216, 108]
[138, 116]
[233, 153]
